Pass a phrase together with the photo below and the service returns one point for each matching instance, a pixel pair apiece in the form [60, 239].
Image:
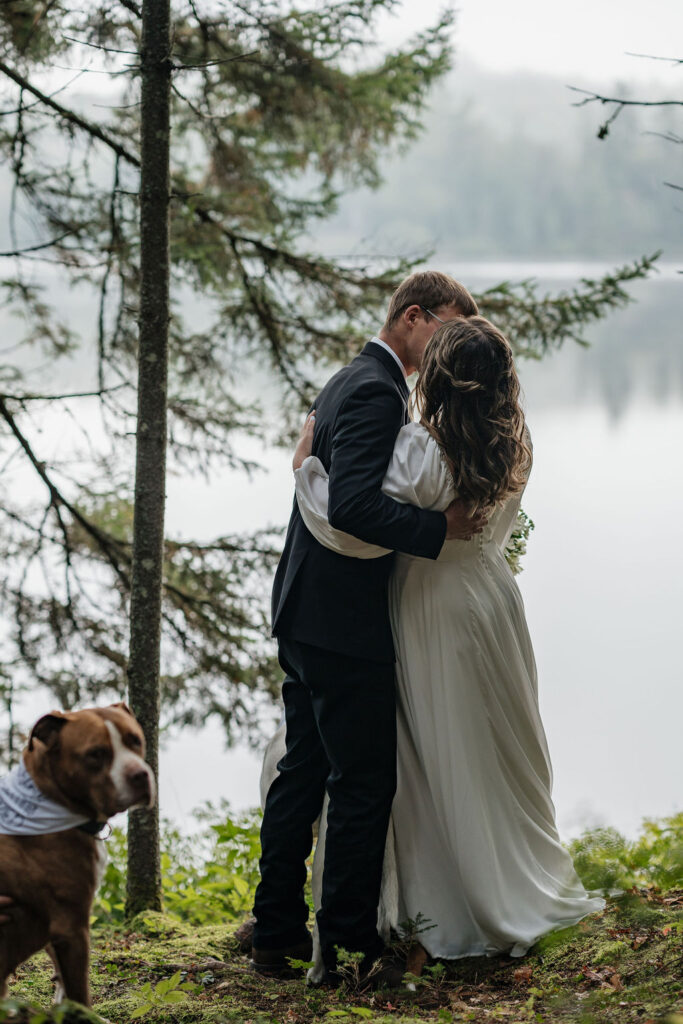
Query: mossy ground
[624, 965]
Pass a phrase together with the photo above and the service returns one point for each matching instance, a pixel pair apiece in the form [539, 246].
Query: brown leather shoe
[275, 962]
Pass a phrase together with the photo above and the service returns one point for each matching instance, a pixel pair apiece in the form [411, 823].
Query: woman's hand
[305, 443]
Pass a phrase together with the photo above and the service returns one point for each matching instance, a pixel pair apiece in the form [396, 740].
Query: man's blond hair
[430, 289]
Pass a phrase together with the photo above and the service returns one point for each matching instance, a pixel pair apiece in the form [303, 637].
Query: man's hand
[8, 903]
[305, 443]
[461, 524]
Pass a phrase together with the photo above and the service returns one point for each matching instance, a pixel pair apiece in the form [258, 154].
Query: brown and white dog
[91, 763]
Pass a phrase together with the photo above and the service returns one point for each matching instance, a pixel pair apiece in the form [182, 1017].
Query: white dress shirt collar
[378, 341]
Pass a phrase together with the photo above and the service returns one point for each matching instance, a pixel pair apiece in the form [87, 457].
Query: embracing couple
[412, 727]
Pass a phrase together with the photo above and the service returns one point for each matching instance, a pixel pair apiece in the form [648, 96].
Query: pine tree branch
[205, 216]
[75, 119]
[106, 543]
[268, 324]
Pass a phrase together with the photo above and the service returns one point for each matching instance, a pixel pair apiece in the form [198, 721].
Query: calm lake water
[603, 577]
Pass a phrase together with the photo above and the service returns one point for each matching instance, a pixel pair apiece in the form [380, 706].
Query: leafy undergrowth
[623, 965]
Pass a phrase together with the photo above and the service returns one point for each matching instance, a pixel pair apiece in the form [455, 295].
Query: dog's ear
[47, 728]
[124, 707]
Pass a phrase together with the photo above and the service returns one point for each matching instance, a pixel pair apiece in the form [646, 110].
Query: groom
[331, 618]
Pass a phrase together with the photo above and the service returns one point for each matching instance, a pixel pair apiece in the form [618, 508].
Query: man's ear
[124, 707]
[47, 728]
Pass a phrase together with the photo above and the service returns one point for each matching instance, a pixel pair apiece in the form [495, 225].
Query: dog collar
[92, 828]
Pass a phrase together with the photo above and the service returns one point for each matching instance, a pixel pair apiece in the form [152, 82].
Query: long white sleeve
[312, 484]
[416, 475]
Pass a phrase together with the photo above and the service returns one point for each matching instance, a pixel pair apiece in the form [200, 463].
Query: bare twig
[36, 248]
[667, 136]
[98, 46]
[594, 97]
[213, 63]
[130, 5]
[649, 56]
[113, 240]
[619, 104]
[30, 106]
[99, 71]
[58, 398]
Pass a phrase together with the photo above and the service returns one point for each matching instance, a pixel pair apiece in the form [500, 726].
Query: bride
[473, 847]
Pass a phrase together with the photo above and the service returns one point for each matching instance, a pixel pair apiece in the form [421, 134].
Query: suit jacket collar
[377, 352]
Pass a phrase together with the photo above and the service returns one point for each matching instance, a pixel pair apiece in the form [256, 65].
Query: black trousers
[341, 736]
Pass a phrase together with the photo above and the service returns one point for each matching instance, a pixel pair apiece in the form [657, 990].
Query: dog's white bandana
[25, 811]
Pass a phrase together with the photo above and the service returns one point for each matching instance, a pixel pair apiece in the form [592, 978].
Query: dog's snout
[139, 779]
[141, 785]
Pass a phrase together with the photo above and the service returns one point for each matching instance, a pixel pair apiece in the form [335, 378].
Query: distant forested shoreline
[507, 167]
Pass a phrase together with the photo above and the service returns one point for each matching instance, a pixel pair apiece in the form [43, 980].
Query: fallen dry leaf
[606, 977]
[523, 975]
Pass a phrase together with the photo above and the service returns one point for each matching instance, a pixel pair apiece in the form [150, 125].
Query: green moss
[635, 911]
[609, 952]
[154, 925]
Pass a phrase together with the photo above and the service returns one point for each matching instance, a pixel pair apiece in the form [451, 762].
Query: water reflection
[635, 354]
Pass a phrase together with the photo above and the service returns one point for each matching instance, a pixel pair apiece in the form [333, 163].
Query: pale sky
[588, 38]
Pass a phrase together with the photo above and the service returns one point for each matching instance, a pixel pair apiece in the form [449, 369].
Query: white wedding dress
[472, 846]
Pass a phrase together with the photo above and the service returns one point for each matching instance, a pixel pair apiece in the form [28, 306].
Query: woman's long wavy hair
[467, 396]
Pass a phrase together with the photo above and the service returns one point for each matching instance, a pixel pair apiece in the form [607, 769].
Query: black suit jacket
[330, 600]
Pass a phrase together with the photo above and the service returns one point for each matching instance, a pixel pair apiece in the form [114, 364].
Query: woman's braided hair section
[467, 397]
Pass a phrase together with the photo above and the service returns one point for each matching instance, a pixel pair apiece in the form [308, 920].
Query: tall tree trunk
[144, 872]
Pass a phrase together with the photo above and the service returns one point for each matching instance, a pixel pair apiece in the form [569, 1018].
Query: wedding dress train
[472, 846]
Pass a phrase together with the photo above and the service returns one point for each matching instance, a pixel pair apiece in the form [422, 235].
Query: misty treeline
[274, 116]
[508, 168]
